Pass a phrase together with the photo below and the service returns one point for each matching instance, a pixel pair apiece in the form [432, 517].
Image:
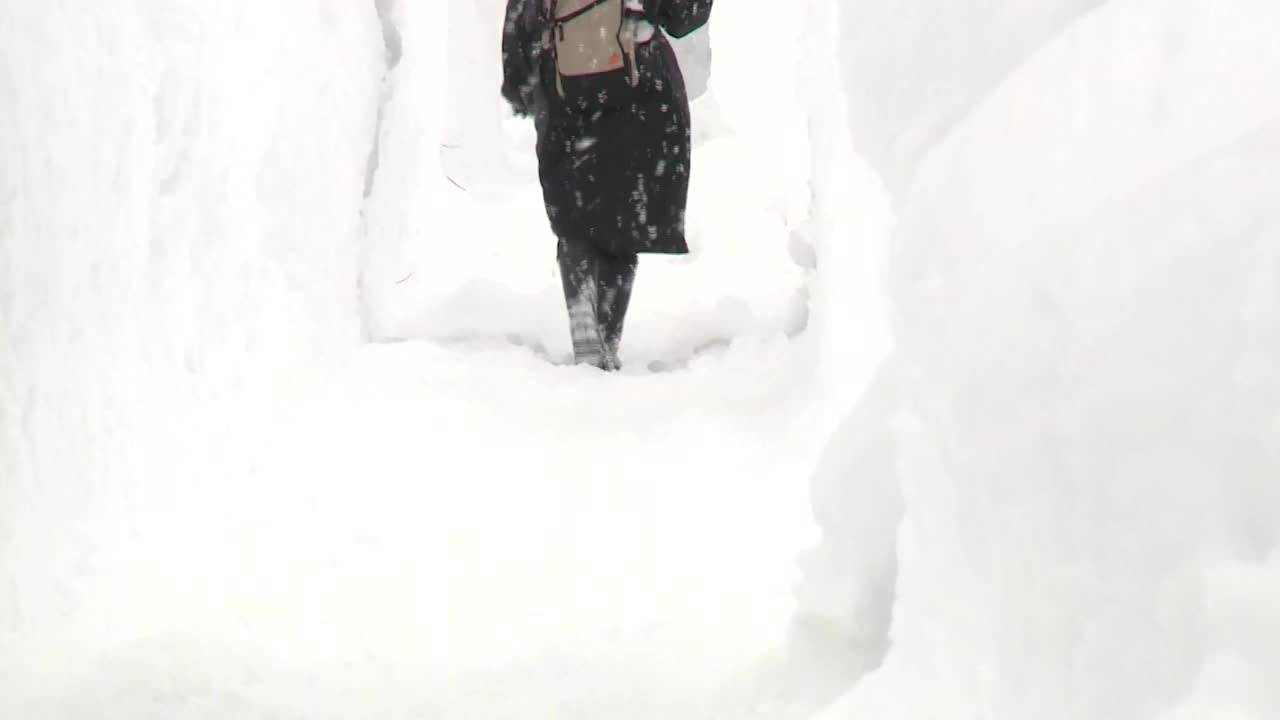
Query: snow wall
[180, 198]
[1063, 483]
[1063, 486]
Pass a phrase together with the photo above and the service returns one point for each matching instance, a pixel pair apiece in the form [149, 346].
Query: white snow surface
[279, 436]
[1059, 499]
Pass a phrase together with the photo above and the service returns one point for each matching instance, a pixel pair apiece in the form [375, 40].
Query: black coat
[613, 173]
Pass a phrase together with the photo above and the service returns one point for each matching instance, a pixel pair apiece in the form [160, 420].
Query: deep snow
[279, 437]
[1066, 481]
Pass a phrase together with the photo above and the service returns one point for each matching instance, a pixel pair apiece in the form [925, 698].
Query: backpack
[592, 44]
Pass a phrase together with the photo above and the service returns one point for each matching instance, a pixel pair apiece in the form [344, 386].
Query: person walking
[604, 89]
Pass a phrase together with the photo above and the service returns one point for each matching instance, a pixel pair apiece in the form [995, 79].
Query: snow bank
[179, 222]
[914, 68]
[1068, 474]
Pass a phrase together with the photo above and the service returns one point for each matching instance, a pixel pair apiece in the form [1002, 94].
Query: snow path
[215, 502]
[448, 526]
[475, 531]
[476, 534]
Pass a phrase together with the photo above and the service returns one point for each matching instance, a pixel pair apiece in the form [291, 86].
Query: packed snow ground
[476, 534]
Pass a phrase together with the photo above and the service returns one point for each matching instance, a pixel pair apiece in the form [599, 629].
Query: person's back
[603, 84]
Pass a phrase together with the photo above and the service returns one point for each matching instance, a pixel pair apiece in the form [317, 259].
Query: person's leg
[579, 276]
[616, 274]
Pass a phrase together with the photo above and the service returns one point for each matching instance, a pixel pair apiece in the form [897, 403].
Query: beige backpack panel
[593, 42]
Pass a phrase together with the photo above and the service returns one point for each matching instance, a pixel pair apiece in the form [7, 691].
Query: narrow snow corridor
[964, 406]
[439, 523]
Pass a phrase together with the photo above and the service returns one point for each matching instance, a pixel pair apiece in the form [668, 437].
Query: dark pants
[597, 291]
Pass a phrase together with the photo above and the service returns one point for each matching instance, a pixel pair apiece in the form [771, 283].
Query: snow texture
[179, 206]
[278, 434]
[968, 405]
[1064, 484]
